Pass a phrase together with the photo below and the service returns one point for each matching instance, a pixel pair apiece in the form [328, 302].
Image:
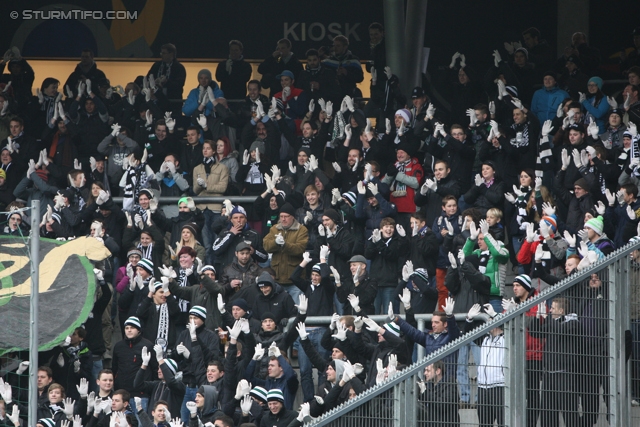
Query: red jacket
[405, 204]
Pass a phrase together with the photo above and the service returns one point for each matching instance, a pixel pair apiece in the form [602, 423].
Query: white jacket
[491, 367]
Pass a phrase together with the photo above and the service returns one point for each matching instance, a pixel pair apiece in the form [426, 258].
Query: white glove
[387, 124]
[484, 227]
[502, 89]
[274, 351]
[620, 196]
[544, 229]
[405, 297]
[157, 349]
[235, 332]
[478, 180]
[407, 270]
[612, 102]
[68, 402]
[15, 415]
[181, 349]
[258, 352]
[321, 231]
[473, 311]
[146, 356]
[354, 301]
[308, 217]
[336, 275]
[631, 213]
[600, 208]
[374, 76]
[202, 121]
[220, 302]
[375, 236]
[341, 332]
[242, 389]
[610, 197]
[570, 239]
[510, 197]
[286, 92]
[246, 403]
[303, 304]
[546, 128]
[454, 58]
[336, 167]
[115, 129]
[496, 58]
[452, 259]
[329, 109]
[473, 231]
[581, 97]
[531, 235]
[508, 304]
[371, 325]
[517, 103]
[360, 188]
[566, 160]
[461, 256]
[448, 306]
[577, 159]
[472, 117]
[192, 408]
[312, 106]
[324, 252]
[192, 328]
[302, 331]
[169, 121]
[280, 239]
[488, 308]
[593, 130]
[335, 196]
[539, 253]
[560, 111]
[449, 226]
[387, 71]
[538, 183]
[400, 230]
[201, 182]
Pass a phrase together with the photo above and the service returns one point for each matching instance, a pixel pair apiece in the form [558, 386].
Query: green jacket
[496, 267]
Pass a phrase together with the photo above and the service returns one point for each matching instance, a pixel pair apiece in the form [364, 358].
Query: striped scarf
[146, 251]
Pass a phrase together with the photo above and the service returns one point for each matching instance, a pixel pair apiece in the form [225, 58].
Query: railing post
[420, 348]
[515, 363]
[619, 323]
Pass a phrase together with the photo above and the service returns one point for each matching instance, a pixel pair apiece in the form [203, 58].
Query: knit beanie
[146, 264]
[551, 221]
[172, 365]
[240, 303]
[597, 80]
[333, 215]
[405, 114]
[596, 224]
[582, 183]
[199, 311]
[133, 321]
[524, 280]
[239, 210]
[393, 328]
[259, 393]
[275, 395]
[351, 197]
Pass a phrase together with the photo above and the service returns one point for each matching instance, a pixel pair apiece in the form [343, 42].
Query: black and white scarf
[136, 180]
[183, 282]
[399, 188]
[208, 163]
[146, 251]
[163, 324]
[520, 129]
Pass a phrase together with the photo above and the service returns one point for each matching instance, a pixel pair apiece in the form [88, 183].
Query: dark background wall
[202, 29]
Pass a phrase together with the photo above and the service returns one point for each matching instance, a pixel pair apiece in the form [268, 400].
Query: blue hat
[285, 73]
[597, 80]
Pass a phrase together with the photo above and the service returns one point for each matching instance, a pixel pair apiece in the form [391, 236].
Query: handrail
[326, 320]
[473, 335]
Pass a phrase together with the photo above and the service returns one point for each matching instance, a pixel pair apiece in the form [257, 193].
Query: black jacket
[203, 350]
[127, 359]
[366, 291]
[321, 296]
[170, 390]
[149, 315]
[387, 258]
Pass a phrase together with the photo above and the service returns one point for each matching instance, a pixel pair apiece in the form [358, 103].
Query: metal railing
[572, 381]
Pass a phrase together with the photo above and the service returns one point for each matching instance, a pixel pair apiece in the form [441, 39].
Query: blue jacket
[599, 113]
[545, 102]
[288, 382]
[191, 104]
[373, 215]
[428, 340]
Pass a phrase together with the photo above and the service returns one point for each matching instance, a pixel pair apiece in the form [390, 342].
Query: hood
[359, 117]
[324, 179]
[339, 368]
[210, 399]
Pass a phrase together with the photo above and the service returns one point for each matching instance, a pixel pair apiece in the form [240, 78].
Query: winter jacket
[496, 265]
[320, 296]
[366, 291]
[234, 83]
[225, 245]
[217, 181]
[288, 382]
[340, 249]
[234, 271]
[205, 295]
[127, 359]
[467, 286]
[387, 255]
[171, 390]
[373, 214]
[203, 350]
[149, 314]
[286, 258]
[484, 198]
[430, 341]
[545, 102]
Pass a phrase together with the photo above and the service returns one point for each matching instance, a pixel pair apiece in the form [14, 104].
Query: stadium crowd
[422, 206]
